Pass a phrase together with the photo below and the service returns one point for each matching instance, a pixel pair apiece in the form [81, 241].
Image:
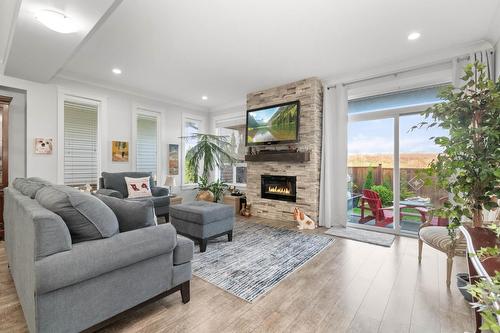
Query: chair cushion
[131, 214]
[116, 180]
[201, 212]
[86, 217]
[184, 250]
[438, 238]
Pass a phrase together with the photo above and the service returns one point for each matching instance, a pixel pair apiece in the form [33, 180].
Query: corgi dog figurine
[305, 222]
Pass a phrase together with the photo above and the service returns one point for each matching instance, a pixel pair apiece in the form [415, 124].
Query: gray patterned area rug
[372, 237]
[257, 259]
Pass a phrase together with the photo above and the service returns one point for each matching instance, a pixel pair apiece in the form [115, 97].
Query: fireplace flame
[279, 190]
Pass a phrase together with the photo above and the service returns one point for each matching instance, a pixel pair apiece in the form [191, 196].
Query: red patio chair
[382, 215]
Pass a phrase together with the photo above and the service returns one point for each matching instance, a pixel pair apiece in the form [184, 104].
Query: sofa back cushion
[86, 217]
[28, 187]
[116, 180]
[131, 215]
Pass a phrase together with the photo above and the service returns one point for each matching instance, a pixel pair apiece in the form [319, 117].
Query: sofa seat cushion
[131, 214]
[438, 238]
[90, 259]
[86, 217]
[201, 212]
[184, 250]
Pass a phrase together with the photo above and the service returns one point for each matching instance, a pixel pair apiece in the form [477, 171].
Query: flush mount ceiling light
[414, 35]
[57, 21]
[204, 97]
[116, 71]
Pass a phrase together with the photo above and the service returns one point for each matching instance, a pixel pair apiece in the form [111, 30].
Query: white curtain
[486, 57]
[333, 185]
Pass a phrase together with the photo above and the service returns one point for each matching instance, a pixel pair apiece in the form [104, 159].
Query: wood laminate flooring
[349, 287]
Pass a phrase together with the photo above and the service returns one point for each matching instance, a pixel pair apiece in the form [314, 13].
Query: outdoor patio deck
[409, 226]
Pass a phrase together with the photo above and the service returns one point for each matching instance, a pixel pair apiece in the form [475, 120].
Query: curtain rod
[395, 74]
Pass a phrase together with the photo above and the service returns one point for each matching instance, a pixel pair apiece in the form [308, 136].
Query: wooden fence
[385, 176]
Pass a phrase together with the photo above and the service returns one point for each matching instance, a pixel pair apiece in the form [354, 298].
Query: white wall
[497, 58]
[17, 132]
[42, 115]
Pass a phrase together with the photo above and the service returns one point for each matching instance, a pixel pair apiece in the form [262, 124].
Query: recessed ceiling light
[56, 21]
[116, 71]
[204, 97]
[414, 35]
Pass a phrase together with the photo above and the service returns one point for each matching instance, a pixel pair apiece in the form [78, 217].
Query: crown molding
[130, 91]
[429, 59]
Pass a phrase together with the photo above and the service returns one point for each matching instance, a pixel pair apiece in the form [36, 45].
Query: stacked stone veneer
[310, 94]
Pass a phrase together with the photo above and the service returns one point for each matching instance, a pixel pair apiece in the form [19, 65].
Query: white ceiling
[36, 52]
[224, 48]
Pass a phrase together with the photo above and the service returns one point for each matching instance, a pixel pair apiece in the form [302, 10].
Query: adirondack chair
[382, 215]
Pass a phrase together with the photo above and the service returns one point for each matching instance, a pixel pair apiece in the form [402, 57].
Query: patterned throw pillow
[138, 187]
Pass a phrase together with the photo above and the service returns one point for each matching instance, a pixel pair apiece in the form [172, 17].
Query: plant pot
[205, 195]
[462, 282]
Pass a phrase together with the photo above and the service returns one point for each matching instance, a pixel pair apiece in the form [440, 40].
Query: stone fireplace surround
[310, 94]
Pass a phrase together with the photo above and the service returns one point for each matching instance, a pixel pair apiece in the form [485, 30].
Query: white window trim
[139, 109]
[200, 119]
[79, 97]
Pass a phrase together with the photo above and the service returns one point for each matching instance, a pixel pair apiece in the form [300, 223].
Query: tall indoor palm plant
[209, 153]
[469, 166]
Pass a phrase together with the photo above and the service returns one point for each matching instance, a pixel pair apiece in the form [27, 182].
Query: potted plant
[469, 169]
[218, 188]
[209, 153]
[204, 192]
[469, 165]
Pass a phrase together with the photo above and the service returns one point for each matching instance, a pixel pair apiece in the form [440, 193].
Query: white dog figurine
[305, 222]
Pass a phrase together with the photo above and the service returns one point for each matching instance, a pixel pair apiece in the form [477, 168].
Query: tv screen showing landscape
[275, 124]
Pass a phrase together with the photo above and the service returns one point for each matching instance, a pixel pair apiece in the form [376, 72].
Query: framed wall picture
[173, 159]
[44, 146]
[119, 151]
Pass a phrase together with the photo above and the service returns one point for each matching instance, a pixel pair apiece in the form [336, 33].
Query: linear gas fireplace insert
[279, 187]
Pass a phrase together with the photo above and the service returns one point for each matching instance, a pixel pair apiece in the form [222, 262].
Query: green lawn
[411, 218]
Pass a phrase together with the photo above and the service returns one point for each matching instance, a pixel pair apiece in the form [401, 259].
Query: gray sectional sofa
[69, 285]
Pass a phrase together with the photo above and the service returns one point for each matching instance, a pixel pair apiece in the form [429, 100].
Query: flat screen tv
[275, 124]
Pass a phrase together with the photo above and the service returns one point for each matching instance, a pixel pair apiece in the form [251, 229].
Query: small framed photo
[173, 159]
[119, 151]
[44, 146]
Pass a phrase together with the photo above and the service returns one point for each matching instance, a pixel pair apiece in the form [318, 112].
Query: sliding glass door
[370, 163]
[389, 187]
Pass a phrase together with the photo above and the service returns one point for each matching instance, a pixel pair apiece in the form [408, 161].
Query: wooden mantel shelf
[280, 156]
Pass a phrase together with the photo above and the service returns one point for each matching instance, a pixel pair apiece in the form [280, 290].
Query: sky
[264, 115]
[377, 136]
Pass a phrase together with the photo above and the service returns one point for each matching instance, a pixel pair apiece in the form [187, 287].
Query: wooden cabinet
[4, 157]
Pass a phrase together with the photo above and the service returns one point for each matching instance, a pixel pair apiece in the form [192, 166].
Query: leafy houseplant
[203, 188]
[217, 188]
[210, 152]
[469, 166]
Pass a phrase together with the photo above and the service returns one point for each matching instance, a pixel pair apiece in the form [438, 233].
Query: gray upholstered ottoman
[201, 221]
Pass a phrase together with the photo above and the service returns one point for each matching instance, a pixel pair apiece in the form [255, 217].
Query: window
[235, 174]
[385, 156]
[190, 127]
[80, 143]
[394, 100]
[147, 144]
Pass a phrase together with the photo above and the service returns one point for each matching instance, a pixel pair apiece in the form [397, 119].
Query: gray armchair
[114, 185]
